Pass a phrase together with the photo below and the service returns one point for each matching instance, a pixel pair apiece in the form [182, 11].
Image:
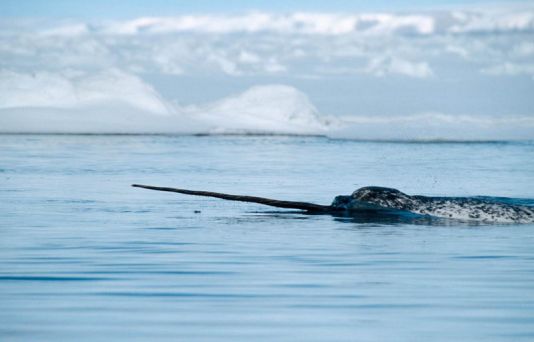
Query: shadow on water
[370, 217]
[397, 217]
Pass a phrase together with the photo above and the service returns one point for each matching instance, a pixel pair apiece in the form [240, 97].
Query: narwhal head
[384, 197]
[373, 197]
[342, 202]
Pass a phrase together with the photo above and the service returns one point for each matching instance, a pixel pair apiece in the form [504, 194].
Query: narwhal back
[464, 208]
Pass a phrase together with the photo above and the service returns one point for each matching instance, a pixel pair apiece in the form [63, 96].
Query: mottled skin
[374, 197]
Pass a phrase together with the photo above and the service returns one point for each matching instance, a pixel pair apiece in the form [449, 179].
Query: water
[85, 256]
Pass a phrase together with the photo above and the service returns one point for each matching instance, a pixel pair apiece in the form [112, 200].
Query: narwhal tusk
[252, 199]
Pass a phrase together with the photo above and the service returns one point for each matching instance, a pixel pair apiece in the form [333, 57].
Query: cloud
[265, 44]
[382, 66]
[296, 23]
[524, 49]
[492, 20]
[70, 30]
[482, 20]
[510, 69]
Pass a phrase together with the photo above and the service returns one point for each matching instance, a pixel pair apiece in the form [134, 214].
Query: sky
[359, 66]
[123, 9]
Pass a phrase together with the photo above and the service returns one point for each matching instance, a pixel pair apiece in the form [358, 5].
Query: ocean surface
[84, 256]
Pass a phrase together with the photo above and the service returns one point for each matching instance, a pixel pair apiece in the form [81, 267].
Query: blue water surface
[84, 256]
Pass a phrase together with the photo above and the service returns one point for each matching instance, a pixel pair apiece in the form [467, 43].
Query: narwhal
[375, 198]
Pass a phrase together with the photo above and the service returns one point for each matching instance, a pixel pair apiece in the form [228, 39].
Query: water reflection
[363, 217]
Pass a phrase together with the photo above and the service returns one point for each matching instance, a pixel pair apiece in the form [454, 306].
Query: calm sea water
[83, 256]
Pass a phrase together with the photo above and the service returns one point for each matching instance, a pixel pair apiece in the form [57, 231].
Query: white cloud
[524, 49]
[502, 20]
[511, 69]
[381, 66]
[388, 24]
[296, 23]
[69, 30]
[227, 65]
[296, 44]
[482, 20]
[248, 57]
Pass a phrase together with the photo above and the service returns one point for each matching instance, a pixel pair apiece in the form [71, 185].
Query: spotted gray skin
[374, 197]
